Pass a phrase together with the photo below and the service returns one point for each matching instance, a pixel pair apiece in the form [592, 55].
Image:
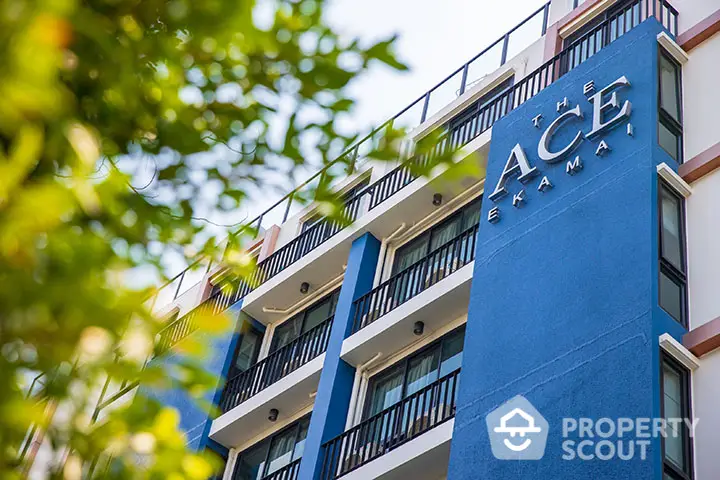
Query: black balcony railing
[423, 410]
[617, 25]
[188, 323]
[403, 175]
[275, 366]
[307, 241]
[413, 115]
[421, 275]
[460, 131]
[288, 472]
[466, 126]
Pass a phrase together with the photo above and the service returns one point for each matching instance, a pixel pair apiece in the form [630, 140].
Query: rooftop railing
[429, 103]
[418, 413]
[275, 366]
[466, 126]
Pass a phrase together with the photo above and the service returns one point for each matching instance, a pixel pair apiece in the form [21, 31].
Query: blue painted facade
[564, 302]
[563, 306]
[194, 418]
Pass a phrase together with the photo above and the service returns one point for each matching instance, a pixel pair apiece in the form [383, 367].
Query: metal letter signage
[518, 164]
[517, 161]
[599, 107]
[544, 145]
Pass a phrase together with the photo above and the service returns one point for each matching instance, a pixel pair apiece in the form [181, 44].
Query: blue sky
[435, 38]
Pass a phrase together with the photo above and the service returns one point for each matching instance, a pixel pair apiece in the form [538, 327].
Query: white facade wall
[701, 102]
[701, 96]
[706, 397]
[693, 11]
[703, 238]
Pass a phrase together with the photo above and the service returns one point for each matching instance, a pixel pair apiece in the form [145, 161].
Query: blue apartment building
[554, 268]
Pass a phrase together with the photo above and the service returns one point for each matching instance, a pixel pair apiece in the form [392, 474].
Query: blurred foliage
[208, 93]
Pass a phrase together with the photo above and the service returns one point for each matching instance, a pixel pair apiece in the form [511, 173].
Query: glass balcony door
[415, 372]
[304, 321]
[272, 454]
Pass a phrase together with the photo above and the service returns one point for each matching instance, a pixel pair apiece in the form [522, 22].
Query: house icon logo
[517, 431]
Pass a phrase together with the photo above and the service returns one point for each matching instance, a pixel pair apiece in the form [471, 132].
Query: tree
[207, 93]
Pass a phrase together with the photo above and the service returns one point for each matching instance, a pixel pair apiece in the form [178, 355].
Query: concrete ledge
[703, 339]
[701, 164]
[700, 32]
[289, 395]
[674, 180]
[438, 305]
[678, 352]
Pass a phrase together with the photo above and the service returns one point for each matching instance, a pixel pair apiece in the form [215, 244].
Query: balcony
[398, 197]
[275, 366]
[284, 380]
[434, 290]
[397, 435]
[302, 260]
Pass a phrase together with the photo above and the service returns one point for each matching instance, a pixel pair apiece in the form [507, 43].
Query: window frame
[669, 468]
[428, 232]
[665, 266]
[333, 296]
[315, 217]
[674, 126]
[596, 20]
[405, 362]
[246, 328]
[267, 443]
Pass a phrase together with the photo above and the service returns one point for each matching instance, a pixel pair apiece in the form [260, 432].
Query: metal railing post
[287, 209]
[503, 57]
[546, 13]
[463, 82]
[426, 104]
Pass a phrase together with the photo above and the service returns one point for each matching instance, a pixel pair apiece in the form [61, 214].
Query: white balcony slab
[423, 458]
[436, 306]
[289, 395]
[327, 261]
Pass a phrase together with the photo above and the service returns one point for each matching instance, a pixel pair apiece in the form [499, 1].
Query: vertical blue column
[336, 380]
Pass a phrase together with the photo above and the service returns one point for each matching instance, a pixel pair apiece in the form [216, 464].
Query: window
[347, 195]
[412, 374]
[311, 221]
[672, 289]
[416, 249]
[591, 37]
[273, 453]
[247, 350]
[675, 404]
[487, 99]
[304, 321]
[670, 106]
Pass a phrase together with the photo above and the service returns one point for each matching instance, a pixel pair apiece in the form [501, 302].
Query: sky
[435, 38]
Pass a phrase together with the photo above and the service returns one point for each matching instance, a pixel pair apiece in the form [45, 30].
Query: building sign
[608, 112]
